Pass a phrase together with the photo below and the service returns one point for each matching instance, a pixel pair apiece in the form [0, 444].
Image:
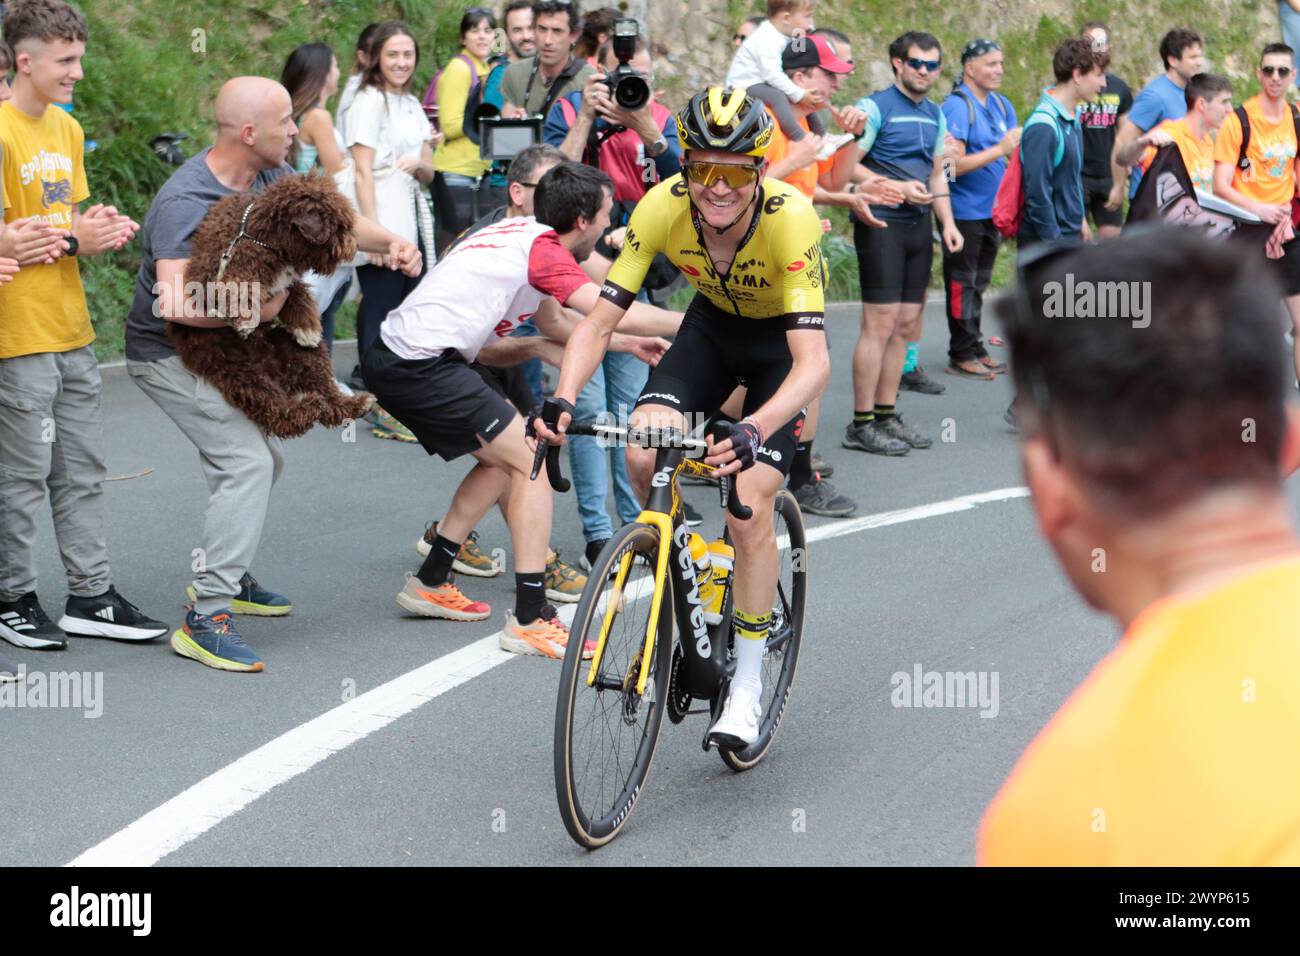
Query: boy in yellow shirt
[1155, 444]
[50, 389]
[1209, 101]
[1266, 185]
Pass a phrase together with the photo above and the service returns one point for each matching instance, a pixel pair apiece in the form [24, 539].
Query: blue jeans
[532, 369]
[330, 311]
[1290, 28]
[614, 388]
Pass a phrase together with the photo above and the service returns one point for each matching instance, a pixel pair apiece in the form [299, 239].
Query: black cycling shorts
[712, 354]
[894, 263]
[447, 404]
[1287, 269]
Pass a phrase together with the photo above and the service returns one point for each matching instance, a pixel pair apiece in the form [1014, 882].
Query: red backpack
[1009, 203]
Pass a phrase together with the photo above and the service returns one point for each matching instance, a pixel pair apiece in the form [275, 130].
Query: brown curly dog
[248, 249]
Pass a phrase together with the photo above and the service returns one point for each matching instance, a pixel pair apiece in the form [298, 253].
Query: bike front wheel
[605, 731]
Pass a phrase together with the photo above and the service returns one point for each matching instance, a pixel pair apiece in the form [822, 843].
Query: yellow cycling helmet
[727, 120]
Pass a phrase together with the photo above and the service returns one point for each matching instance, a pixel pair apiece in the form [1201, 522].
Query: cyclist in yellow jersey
[751, 248]
[779, 275]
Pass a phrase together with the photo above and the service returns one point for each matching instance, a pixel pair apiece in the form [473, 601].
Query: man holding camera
[531, 85]
[636, 145]
[590, 126]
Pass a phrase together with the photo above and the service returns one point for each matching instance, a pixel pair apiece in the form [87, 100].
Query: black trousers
[966, 275]
[382, 290]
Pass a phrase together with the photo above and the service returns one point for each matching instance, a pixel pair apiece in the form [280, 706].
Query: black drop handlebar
[667, 438]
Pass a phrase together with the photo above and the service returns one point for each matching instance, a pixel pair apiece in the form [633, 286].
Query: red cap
[814, 50]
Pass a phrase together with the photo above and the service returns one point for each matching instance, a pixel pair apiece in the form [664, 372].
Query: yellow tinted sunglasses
[733, 174]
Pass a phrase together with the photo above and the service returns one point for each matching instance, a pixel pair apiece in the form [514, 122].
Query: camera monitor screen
[506, 138]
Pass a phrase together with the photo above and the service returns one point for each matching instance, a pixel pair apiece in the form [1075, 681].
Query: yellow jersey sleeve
[795, 229]
[647, 235]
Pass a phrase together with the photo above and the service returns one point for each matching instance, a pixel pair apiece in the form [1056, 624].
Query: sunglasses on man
[1281, 71]
[931, 66]
[707, 174]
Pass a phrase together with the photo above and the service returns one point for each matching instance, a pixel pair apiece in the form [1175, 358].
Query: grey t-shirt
[168, 227]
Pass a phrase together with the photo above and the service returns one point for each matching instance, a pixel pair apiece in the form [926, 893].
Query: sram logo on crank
[703, 646]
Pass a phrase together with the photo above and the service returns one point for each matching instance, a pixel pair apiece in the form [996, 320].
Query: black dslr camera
[630, 89]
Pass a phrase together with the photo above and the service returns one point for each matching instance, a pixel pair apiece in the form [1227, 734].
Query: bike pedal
[730, 743]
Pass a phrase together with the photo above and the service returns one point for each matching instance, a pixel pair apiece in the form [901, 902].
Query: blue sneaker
[253, 599]
[215, 642]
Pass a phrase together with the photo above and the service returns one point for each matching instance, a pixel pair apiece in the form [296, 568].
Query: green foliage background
[154, 66]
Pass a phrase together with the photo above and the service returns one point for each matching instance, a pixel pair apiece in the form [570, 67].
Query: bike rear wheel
[781, 654]
[605, 735]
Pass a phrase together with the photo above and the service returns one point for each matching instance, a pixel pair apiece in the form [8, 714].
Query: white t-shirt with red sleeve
[484, 288]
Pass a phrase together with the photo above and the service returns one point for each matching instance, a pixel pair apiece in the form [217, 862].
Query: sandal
[970, 368]
[998, 368]
[995, 340]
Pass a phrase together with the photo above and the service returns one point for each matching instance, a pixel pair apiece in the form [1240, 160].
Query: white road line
[233, 787]
[951, 506]
[228, 790]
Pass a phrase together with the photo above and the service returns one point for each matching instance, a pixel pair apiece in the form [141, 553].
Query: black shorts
[509, 380]
[712, 354]
[1095, 193]
[447, 404]
[894, 263]
[1287, 269]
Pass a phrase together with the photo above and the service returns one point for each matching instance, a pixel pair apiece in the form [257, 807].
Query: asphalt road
[465, 777]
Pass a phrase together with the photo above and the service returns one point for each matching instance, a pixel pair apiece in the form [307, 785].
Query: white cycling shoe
[738, 726]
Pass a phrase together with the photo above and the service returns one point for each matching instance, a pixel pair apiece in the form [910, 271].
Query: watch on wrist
[658, 147]
[73, 245]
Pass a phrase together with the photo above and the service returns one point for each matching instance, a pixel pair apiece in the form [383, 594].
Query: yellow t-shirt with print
[1198, 154]
[1272, 152]
[44, 176]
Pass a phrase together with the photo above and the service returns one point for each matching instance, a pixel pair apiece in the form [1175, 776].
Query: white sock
[749, 665]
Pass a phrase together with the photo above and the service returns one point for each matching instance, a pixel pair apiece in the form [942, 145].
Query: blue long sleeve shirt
[1053, 191]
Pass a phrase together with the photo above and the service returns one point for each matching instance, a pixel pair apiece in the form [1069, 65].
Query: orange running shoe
[445, 601]
[545, 637]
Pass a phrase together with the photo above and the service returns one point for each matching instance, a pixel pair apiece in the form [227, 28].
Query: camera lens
[632, 92]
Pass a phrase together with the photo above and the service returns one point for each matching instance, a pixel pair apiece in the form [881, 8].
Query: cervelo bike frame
[704, 673]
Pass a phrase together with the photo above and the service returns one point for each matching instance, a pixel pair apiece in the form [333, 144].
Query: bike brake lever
[553, 473]
[538, 456]
[738, 510]
[727, 484]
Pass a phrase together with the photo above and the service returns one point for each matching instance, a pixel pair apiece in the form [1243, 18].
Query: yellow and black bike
[647, 580]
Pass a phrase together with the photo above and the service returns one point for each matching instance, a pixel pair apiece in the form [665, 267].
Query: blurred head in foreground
[1154, 400]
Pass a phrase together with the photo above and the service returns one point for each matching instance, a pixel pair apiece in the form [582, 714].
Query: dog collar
[230, 249]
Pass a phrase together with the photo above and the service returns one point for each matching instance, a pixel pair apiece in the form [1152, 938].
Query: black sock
[801, 467]
[862, 418]
[437, 566]
[884, 411]
[530, 596]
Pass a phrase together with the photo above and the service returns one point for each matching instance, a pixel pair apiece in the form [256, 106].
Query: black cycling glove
[746, 440]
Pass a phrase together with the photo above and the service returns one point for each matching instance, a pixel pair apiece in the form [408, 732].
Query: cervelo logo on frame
[681, 538]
